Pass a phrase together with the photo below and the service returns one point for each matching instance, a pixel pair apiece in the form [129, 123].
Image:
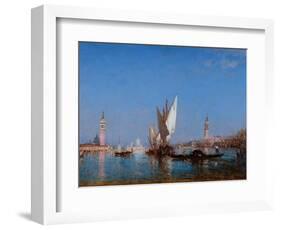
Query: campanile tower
[102, 129]
[206, 128]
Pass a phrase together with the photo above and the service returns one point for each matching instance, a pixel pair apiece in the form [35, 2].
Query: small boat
[122, 153]
[150, 151]
[197, 154]
[166, 150]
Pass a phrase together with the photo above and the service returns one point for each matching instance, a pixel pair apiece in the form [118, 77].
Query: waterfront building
[137, 147]
[207, 140]
[96, 140]
[102, 130]
[93, 148]
[99, 143]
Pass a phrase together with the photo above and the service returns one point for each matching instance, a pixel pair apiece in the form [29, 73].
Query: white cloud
[224, 63]
[229, 64]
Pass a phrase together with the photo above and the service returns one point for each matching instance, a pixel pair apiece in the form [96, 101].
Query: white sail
[152, 135]
[119, 148]
[172, 117]
[166, 125]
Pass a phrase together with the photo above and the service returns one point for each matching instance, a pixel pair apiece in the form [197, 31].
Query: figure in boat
[159, 139]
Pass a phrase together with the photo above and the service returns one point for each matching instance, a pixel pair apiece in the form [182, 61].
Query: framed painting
[131, 109]
[126, 138]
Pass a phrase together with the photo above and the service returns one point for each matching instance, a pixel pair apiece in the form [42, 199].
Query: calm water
[108, 169]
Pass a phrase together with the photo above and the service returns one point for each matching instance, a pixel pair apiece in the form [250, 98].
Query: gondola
[122, 153]
[198, 154]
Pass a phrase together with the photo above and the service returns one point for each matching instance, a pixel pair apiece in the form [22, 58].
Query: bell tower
[206, 128]
[102, 129]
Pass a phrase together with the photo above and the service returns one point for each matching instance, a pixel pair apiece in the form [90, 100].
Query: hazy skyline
[128, 81]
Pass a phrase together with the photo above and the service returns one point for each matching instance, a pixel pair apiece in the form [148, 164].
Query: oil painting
[161, 114]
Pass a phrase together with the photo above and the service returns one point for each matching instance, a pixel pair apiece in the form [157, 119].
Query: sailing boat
[166, 127]
[171, 120]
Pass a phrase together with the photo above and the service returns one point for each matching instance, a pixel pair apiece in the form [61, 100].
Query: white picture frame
[45, 167]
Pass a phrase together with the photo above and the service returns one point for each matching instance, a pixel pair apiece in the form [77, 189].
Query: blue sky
[128, 81]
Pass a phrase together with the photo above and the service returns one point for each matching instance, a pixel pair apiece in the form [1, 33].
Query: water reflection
[101, 165]
[161, 165]
[105, 168]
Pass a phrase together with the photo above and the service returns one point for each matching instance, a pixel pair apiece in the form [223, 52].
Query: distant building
[102, 130]
[98, 144]
[207, 140]
[96, 140]
[138, 142]
[206, 128]
[93, 148]
[137, 148]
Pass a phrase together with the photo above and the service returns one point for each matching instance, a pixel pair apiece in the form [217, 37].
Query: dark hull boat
[122, 153]
[166, 150]
[198, 154]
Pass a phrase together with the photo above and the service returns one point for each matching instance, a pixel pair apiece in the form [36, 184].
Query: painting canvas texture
[161, 114]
